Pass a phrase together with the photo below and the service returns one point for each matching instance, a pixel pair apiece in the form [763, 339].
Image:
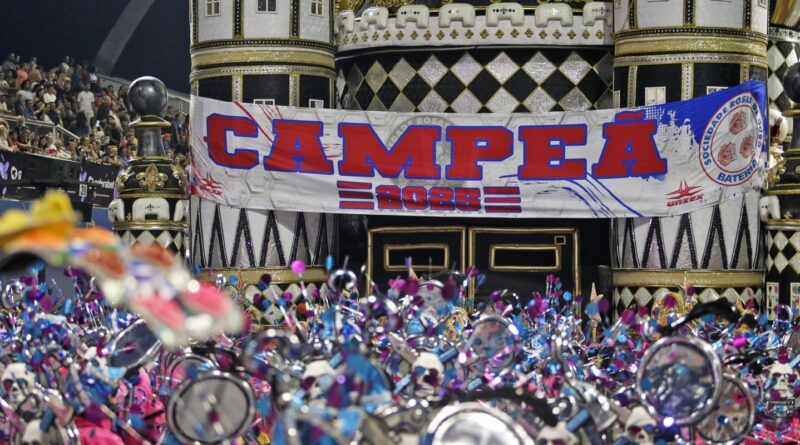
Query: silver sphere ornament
[791, 82]
[148, 96]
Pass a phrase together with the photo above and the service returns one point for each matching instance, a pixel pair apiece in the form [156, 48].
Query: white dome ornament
[769, 208]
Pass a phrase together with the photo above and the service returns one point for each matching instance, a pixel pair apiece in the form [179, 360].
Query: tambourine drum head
[267, 351]
[732, 417]
[134, 346]
[474, 423]
[492, 340]
[680, 378]
[211, 408]
[187, 367]
[434, 302]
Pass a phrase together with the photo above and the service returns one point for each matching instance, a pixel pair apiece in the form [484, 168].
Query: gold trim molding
[262, 71]
[151, 195]
[459, 230]
[494, 248]
[691, 44]
[149, 225]
[690, 30]
[783, 9]
[388, 248]
[790, 189]
[288, 56]
[697, 278]
[782, 224]
[474, 231]
[280, 275]
[689, 58]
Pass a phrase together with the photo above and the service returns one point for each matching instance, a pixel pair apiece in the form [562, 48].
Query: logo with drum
[730, 148]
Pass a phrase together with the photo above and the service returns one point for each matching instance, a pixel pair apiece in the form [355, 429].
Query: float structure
[484, 56]
[268, 52]
[674, 50]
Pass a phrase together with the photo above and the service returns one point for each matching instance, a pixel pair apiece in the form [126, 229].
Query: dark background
[52, 29]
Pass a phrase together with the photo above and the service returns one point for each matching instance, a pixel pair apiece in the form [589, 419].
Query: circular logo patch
[730, 149]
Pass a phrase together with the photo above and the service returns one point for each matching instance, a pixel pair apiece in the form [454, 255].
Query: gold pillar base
[280, 275]
[648, 287]
[246, 285]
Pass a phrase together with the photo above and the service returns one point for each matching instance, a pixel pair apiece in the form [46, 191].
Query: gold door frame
[388, 248]
[461, 230]
[474, 231]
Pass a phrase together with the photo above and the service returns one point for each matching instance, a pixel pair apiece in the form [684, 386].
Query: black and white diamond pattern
[780, 56]
[272, 316]
[172, 240]
[783, 263]
[481, 80]
[783, 251]
[625, 297]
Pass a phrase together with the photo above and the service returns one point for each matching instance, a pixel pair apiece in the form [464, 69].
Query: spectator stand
[179, 101]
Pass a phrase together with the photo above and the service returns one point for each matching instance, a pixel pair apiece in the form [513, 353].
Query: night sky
[52, 29]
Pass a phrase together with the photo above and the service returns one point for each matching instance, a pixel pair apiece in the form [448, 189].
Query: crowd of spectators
[72, 97]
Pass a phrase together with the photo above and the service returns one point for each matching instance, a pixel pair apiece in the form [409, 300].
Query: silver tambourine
[733, 416]
[186, 367]
[342, 280]
[134, 346]
[12, 295]
[494, 342]
[269, 352]
[679, 380]
[211, 408]
[474, 422]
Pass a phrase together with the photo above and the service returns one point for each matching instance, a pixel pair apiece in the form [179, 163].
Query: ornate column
[674, 50]
[782, 53]
[270, 52]
[151, 206]
[780, 210]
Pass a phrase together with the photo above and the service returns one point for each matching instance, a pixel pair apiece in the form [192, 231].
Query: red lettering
[468, 200]
[218, 127]
[471, 145]
[389, 197]
[297, 148]
[441, 198]
[415, 198]
[544, 152]
[630, 149]
[414, 152]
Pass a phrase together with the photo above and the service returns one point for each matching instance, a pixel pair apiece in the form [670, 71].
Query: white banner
[655, 161]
